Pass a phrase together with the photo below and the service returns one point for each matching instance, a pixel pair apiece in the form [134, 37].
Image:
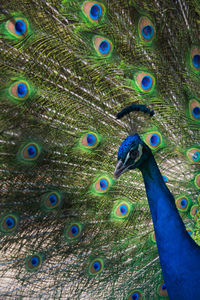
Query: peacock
[91, 90]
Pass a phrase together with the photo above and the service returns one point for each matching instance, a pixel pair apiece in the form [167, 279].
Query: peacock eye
[133, 153]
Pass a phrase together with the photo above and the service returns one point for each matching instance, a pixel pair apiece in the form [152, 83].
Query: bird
[180, 270]
[86, 85]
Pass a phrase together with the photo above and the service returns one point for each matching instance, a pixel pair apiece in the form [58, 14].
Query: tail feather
[62, 232]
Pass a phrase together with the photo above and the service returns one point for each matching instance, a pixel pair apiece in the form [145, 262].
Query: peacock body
[180, 270]
[69, 229]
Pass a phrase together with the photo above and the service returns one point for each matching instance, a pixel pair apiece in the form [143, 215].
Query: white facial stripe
[140, 152]
[127, 157]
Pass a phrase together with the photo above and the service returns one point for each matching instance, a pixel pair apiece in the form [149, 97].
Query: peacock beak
[120, 169]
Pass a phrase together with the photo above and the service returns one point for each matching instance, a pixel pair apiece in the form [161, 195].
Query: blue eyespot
[146, 29]
[146, 82]
[135, 296]
[95, 12]
[21, 90]
[163, 287]
[35, 261]
[91, 139]
[147, 32]
[20, 27]
[123, 209]
[96, 266]
[32, 151]
[53, 199]
[10, 222]
[162, 290]
[104, 47]
[196, 112]
[165, 178]
[183, 202]
[193, 155]
[196, 156]
[74, 230]
[154, 140]
[196, 61]
[103, 184]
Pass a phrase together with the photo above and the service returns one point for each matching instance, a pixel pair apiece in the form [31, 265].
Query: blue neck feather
[179, 254]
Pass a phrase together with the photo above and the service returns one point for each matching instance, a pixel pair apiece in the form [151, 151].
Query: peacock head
[131, 155]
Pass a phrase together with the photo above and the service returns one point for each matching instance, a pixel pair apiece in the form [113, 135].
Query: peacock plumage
[79, 79]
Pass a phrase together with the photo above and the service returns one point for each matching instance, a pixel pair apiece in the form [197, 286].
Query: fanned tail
[68, 230]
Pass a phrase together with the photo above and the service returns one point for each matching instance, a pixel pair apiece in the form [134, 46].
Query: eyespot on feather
[94, 11]
[193, 155]
[162, 290]
[29, 153]
[102, 185]
[73, 231]
[145, 82]
[102, 46]
[195, 59]
[165, 179]
[194, 109]
[182, 203]
[19, 91]
[9, 223]
[33, 262]
[136, 295]
[122, 210]
[18, 27]
[96, 266]
[52, 200]
[193, 211]
[153, 139]
[146, 29]
[89, 140]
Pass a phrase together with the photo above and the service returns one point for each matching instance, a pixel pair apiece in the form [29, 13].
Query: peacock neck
[167, 222]
[161, 201]
[178, 252]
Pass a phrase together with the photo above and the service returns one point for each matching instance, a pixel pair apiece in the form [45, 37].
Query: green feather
[61, 138]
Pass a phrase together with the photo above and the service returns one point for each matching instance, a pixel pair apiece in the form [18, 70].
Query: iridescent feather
[68, 229]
